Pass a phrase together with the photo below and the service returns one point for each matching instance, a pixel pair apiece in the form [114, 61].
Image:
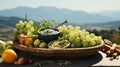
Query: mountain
[100, 26]
[7, 24]
[8, 21]
[53, 12]
[113, 14]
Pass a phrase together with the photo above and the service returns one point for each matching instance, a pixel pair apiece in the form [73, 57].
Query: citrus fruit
[9, 56]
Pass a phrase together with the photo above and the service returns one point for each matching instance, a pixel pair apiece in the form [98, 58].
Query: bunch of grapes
[23, 27]
[78, 37]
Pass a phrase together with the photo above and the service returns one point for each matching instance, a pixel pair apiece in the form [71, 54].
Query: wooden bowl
[63, 52]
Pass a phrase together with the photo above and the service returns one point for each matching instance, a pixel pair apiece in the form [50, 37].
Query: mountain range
[59, 14]
[8, 23]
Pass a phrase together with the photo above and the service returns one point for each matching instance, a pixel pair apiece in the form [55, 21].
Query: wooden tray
[63, 52]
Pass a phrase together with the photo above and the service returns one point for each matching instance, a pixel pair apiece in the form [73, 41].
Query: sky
[85, 5]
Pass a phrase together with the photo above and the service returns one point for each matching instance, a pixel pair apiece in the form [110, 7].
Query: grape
[29, 34]
[76, 33]
[64, 30]
[70, 27]
[31, 22]
[71, 34]
[77, 40]
[92, 35]
[77, 28]
[83, 30]
[28, 26]
[73, 45]
[37, 42]
[79, 37]
[66, 37]
[25, 22]
[43, 45]
[84, 43]
[32, 29]
[17, 25]
[15, 30]
[87, 38]
[98, 40]
[21, 24]
[72, 39]
[20, 31]
[92, 42]
[24, 30]
[60, 29]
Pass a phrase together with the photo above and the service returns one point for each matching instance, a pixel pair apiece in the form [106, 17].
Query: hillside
[8, 23]
[100, 26]
[53, 12]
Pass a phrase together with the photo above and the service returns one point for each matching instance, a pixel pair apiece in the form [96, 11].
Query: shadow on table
[75, 62]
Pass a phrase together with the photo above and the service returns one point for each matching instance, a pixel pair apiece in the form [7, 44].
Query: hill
[101, 26]
[8, 23]
[53, 12]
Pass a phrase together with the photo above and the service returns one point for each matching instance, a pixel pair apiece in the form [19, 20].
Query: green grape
[28, 26]
[73, 45]
[21, 24]
[87, 38]
[71, 34]
[20, 21]
[24, 30]
[77, 28]
[72, 39]
[31, 22]
[77, 40]
[15, 31]
[66, 37]
[17, 25]
[29, 34]
[82, 33]
[83, 30]
[92, 35]
[43, 45]
[76, 33]
[20, 31]
[32, 29]
[37, 42]
[82, 37]
[86, 33]
[85, 43]
[92, 42]
[25, 22]
[61, 29]
[64, 30]
[98, 40]
[64, 26]
[70, 27]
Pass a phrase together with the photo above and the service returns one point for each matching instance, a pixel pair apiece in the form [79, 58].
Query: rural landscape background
[99, 17]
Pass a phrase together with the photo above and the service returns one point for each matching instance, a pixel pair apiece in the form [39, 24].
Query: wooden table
[94, 60]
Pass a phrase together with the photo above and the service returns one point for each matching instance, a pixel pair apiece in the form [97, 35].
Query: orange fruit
[9, 56]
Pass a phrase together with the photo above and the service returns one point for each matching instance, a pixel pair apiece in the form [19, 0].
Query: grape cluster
[78, 37]
[23, 27]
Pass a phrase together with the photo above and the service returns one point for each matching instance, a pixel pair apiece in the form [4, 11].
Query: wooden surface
[94, 60]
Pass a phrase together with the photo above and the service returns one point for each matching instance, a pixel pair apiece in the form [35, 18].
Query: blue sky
[85, 5]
